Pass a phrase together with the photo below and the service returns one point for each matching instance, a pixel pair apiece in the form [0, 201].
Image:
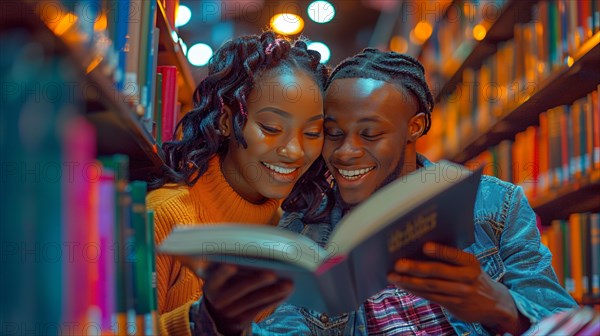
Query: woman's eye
[269, 129]
[313, 134]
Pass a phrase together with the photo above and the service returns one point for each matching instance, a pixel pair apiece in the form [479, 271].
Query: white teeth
[278, 169]
[354, 174]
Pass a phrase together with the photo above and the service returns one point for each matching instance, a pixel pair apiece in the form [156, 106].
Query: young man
[377, 105]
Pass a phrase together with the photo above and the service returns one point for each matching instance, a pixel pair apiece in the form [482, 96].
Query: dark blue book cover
[431, 204]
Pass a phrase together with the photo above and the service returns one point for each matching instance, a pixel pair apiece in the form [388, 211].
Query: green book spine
[142, 275]
[119, 164]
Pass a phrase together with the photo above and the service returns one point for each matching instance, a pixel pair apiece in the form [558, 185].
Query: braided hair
[233, 72]
[402, 71]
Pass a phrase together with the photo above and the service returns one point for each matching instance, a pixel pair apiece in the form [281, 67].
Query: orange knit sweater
[210, 200]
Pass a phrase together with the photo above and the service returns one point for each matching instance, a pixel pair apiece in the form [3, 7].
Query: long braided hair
[402, 71]
[232, 74]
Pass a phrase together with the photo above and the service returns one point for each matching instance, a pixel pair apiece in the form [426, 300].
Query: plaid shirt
[396, 312]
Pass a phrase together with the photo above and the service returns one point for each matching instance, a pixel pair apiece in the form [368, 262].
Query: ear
[225, 121]
[416, 126]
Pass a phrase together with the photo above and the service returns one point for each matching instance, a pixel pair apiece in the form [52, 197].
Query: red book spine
[169, 99]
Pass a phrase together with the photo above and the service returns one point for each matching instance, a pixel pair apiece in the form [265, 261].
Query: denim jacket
[507, 245]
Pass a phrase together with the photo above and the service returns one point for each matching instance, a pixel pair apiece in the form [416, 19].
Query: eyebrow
[286, 114]
[361, 120]
[275, 110]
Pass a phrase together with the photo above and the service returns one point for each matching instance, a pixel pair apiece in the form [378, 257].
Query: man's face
[366, 133]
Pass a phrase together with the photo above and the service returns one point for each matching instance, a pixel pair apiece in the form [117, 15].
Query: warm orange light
[101, 23]
[570, 61]
[479, 32]
[398, 44]
[93, 64]
[423, 30]
[287, 23]
[414, 39]
[64, 24]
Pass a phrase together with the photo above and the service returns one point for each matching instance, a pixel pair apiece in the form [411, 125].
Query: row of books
[563, 148]
[106, 222]
[76, 240]
[452, 34]
[124, 36]
[515, 71]
[575, 247]
[557, 30]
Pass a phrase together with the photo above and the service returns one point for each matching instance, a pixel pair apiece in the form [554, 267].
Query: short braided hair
[400, 70]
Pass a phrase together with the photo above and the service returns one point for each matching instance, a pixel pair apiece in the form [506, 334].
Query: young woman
[255, 130]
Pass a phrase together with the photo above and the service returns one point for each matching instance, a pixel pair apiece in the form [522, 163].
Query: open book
[431, 204]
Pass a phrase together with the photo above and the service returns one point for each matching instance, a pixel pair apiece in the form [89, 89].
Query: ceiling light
[184, 14]
[199, 54]
[322, 48]
[184, 47]
[287, 23]
[321, 11]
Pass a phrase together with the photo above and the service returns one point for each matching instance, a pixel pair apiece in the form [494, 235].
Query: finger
[261, 299]
[449, 254]
[422, 285]
[217, 275]
[240, 286]
[437, 270]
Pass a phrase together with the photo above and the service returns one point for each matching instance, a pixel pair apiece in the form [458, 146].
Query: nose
[292, 150]
[348, 150]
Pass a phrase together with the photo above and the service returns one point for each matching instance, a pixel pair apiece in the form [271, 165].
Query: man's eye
[333, 133]
[370, 136]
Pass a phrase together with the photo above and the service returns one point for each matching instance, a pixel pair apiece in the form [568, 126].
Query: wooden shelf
[579, 196]
[470, 54]
[170, 52]
[118, 127]
[583, 76]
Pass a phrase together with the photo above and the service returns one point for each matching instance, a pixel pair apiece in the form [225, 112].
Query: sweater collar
[212, 187]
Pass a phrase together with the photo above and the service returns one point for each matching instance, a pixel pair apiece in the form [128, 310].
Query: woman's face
[284, 133]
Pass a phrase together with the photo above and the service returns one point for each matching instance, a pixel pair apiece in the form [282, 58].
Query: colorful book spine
[107, 260]
[123, 321]
[80, 150]
[143, 271]
[158, 107]
[169, 101]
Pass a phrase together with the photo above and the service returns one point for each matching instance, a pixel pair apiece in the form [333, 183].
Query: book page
[251, 243]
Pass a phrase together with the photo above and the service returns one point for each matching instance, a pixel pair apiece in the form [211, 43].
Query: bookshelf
[582, 74]
[471, 53]
[119, 129]
[579, 196]
[68, 112]
[170, 52]
[511, 136]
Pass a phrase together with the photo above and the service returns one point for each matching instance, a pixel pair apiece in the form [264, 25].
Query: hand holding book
[234, 295]
[455, 280]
